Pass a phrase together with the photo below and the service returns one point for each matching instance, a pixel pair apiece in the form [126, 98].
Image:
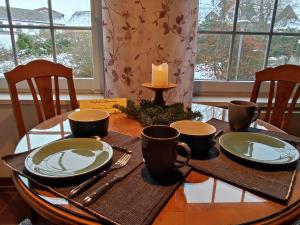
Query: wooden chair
[41, 72]
[284, 86]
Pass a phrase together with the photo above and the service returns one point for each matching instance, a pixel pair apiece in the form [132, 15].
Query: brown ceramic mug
[242, 114]
[159, 145]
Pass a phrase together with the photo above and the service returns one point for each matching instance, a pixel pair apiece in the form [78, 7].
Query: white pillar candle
[160, 75]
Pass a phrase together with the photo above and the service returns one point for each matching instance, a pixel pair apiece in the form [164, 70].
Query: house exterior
[32, 17]
[287, 18]
[80, 18]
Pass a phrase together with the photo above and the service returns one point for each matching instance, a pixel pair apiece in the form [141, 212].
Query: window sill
[218, 101]
[27, 98]
[222, 101]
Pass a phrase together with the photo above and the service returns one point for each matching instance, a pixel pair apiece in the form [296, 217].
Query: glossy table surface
[199, 200]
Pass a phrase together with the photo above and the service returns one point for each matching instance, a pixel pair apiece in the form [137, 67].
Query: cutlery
[105, 187]
[121, 149]
[117, 147]
[122, 161]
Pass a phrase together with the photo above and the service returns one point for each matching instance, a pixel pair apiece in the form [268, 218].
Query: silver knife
[117, 147]
[121, 149]
[105, 187]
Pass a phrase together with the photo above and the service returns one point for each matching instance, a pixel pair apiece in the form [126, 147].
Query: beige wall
[8, 130]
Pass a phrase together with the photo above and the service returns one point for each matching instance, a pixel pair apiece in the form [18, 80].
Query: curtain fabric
[137, 33]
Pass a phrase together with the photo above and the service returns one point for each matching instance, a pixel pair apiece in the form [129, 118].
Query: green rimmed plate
[68, 158]
[259, 148]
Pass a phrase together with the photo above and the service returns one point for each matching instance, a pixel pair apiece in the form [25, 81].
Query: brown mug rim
[87, 121]
[248, 103]
[155, 138]
[195, 135]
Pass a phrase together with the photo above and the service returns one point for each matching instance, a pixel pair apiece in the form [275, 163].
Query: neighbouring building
[32, 17]
[80, 18]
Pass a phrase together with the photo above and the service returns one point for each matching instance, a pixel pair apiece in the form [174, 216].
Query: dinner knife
[117, 147]
[121, 149]
[105, 187]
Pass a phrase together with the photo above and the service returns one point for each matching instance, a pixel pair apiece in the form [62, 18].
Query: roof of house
[211, 15]
[287, 13]
[80, 18]
[28, 15]
[55, 13]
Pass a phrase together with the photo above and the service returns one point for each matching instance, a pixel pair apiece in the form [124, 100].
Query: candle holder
[159, 97]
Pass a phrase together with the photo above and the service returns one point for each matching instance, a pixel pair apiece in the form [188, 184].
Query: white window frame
[232, 87]
[82, 85]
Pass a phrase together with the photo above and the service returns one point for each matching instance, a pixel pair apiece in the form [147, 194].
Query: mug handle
[188, 151]
[258, 110]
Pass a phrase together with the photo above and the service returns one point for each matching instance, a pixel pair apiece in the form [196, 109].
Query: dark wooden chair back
[284, 86]
[40, 75]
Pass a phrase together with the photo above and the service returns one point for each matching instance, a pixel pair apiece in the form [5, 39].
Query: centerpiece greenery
[147, 113]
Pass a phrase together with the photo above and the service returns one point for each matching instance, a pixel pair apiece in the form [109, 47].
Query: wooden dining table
[200, 199]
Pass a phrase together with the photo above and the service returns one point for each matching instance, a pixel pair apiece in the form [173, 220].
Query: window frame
[96, 84]
[237, 88]
[92, 85]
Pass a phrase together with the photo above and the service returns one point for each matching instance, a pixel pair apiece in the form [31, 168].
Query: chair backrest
[284, 86]
[40, 75]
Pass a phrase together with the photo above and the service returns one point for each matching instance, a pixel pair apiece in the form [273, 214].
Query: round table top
[201, 199]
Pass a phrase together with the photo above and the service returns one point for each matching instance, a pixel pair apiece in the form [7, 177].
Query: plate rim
[67, 176]
[259, 161]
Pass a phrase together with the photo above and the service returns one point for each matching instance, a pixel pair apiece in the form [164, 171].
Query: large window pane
[212, 56]
[216, 14]
[255, 15]
[74, 49]
[3, 13]
[284, 50]
[288, 16]
[73, 14]
[248, 56]
[29, 12]
[6, 54]
[33, 44]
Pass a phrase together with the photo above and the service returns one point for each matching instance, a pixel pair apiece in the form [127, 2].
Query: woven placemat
[137, 199]
[274, 182]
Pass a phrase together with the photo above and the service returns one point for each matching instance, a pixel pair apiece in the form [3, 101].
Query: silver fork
[122, 161]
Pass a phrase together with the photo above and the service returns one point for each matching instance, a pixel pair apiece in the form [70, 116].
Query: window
[55, 30]
[238, 38]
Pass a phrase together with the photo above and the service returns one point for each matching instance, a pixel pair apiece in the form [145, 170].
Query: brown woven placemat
[137, 199]
[274, 182]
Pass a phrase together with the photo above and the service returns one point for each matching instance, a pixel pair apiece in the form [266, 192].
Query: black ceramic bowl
[89, 122]
[198, 135]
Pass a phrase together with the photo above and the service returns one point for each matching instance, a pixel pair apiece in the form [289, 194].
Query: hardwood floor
[13, 209]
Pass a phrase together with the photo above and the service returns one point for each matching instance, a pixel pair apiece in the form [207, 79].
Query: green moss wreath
[147, 113]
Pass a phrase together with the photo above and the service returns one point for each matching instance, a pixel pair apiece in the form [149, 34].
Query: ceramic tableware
[242, 114]
[159, 145]
[68, 158]
[89, 122]
[198, 135]
[259, 148]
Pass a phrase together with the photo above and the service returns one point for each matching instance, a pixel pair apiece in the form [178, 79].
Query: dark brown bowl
[89, 122]
[198, 135]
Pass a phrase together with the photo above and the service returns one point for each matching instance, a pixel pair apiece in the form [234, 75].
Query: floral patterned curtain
[138, 33]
